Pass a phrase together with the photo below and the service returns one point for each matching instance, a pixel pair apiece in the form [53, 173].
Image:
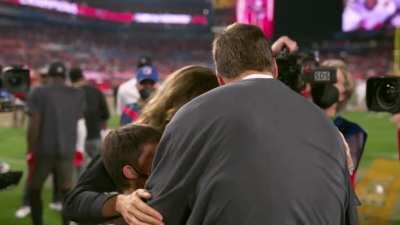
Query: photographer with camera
[331, 86]
[354, 134]
[54, 111]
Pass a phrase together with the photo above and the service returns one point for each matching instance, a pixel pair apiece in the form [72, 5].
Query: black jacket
[84, 203]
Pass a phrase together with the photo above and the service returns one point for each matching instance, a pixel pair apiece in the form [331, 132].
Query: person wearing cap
[133, 94]
[96, 112]
[24, 210]
[55, 111]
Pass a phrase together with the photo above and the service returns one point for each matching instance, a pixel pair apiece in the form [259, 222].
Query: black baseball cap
[57, 68]
[144, 61]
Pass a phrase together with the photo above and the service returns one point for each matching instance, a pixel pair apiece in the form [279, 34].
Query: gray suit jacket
[252, 152]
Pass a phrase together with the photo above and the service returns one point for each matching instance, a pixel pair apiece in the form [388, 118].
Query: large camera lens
[383, 94]
[15, 81]
[388, 94]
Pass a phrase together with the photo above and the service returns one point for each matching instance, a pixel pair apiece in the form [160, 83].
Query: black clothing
[96, 111]
[38, 173]
[251, 152]
[84, 203]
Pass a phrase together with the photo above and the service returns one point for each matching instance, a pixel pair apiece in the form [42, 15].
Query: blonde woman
[354, 134]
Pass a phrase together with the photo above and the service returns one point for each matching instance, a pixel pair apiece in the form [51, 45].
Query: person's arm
[120, 102]
[94, 200]
[282, 42]
[80, 143]
[81, 135]
[133, 208]
[84, 204]
[33, 109]
[33, 131]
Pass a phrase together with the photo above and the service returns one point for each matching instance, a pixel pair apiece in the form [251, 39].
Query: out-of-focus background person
[96, 112]
[133, 94]
[354, 134]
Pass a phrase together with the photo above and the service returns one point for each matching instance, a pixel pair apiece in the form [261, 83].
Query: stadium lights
[112, 16]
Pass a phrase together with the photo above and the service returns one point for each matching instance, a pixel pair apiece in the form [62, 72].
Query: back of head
[178, 89]
[241, 48]
[123, 146]
[57, 69]
[75, 75]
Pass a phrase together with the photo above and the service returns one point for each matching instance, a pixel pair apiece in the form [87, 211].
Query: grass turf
[381, 143]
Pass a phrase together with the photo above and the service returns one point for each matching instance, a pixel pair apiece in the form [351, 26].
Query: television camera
[14, 81]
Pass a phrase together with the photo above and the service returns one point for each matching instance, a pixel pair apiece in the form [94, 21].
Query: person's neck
[56, 81]
[79, 84]
[245, 74]
[331, 112]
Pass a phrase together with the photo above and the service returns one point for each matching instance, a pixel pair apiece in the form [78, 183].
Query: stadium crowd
[109, 54]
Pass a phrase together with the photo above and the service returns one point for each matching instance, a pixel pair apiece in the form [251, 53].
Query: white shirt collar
[258, 75]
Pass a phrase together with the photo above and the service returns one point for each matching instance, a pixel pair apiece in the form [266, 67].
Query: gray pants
[44, 165]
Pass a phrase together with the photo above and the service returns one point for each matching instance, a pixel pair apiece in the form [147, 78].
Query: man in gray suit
[251, 151]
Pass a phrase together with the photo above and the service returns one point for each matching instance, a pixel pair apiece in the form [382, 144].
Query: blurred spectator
[54, 111]
[96, 113]
[56, 204]
[354, 134]
[133, 94]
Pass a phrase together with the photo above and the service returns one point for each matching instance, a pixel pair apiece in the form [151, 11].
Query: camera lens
[388, 95]
[15, 81]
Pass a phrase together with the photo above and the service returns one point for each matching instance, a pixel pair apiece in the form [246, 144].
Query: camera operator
[354, 134]
[54, 111]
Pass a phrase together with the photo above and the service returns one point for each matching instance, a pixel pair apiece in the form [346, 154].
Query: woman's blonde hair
[341, 66]
[179, 88]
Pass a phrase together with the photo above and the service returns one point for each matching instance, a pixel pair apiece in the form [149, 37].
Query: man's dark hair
[241, 48]
[124, 146]
[75, 75]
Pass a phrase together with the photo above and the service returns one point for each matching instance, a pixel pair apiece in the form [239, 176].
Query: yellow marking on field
[379, 191]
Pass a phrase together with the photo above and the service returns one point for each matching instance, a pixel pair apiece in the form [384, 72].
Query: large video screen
[370, 15]
[257, 12]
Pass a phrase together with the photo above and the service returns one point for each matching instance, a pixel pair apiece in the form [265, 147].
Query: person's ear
[275, 70]
[129, 173]
[220, 80]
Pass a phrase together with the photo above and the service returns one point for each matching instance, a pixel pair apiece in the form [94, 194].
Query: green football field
[381, 143]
